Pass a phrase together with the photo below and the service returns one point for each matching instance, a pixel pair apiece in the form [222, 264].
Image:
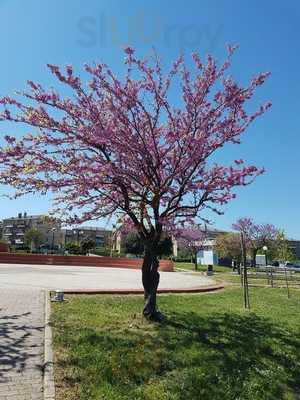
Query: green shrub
[73, 248]
[101, 251]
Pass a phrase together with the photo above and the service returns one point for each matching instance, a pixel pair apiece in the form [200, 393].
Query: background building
[53, 237]
[15, 228]
[101, 237]
[294, 245]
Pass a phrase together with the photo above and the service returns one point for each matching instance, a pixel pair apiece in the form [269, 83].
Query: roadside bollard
[59, 295]
[210, 270]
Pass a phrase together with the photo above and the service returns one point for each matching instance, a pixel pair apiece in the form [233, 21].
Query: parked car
[291, 265]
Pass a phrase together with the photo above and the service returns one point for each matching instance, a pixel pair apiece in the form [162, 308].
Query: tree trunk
[254, 252]
[150, 278]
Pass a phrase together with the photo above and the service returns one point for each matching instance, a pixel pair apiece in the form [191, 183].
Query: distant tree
[73, 248]
[33, 238]
[87, 244]
[165, 247]
[282, 251]
[256, 235]
[228, 245]
[192, 238]
[134, 244]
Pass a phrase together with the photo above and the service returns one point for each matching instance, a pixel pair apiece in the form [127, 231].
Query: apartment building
[15, 228]
[294, 245]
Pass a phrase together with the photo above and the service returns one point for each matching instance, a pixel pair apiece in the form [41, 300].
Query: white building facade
[207, 255]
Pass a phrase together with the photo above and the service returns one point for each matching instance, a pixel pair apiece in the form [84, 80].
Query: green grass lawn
[201, 268]
[208, 349]
[225, 274]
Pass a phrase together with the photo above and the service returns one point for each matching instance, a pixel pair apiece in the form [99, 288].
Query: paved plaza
[21, 344]
[60, 277]
[22, 314]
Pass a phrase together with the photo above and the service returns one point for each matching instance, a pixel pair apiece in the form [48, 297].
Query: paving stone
[21, 344]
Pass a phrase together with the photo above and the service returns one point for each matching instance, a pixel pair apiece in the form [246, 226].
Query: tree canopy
[33, 238]
[281, 250]
[120, 144]
[228, 245]
[256, 235]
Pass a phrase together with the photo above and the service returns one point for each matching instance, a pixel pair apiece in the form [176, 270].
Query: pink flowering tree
[192, 238]
[120, 144]
[256, 235]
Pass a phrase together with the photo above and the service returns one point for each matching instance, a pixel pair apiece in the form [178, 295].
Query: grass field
[201, 268]
[225, 274]
[208, 349]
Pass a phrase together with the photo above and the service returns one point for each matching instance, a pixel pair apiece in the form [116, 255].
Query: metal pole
[245, 276]
[241, 274]
[287, 283]
[272, 284]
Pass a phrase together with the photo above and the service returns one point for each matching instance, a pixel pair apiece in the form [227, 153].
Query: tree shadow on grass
[247, 355]
[189, 357]
[18, 347]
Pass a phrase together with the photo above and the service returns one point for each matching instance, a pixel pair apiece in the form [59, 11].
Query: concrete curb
[199, 289]
[49, 387]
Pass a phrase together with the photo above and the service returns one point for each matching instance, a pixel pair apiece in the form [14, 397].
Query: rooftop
[87, 228]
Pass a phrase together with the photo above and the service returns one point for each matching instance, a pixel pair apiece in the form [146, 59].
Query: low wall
[3, 247]
[84, 261]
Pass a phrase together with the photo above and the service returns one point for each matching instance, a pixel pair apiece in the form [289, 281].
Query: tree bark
[150, 278]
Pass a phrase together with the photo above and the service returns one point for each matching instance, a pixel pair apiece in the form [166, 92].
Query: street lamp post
[53, 237]
[112, 238]
[265, 249]
[74, 233]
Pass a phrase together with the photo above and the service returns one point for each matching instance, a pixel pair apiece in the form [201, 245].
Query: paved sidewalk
[21, 344]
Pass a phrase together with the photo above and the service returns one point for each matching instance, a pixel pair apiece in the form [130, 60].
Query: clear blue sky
[33, 33]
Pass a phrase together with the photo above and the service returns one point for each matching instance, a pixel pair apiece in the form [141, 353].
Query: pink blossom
[121, 146]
